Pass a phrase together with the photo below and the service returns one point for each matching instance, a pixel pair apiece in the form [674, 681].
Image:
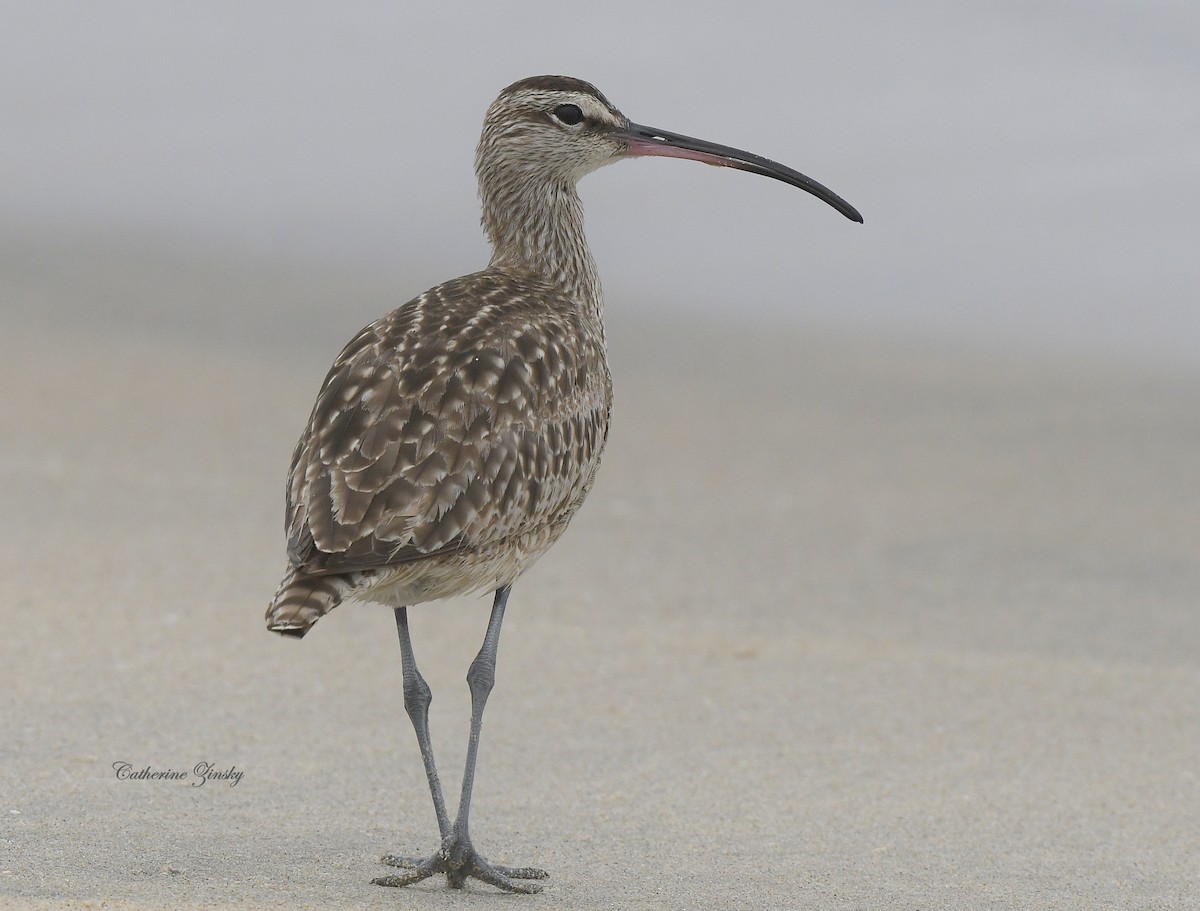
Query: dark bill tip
[646, 141]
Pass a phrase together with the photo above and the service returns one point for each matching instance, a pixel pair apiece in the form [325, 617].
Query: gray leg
[416, 702]
[481, 677]
[457, 857]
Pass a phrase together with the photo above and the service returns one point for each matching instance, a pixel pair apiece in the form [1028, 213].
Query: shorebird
[454, 438]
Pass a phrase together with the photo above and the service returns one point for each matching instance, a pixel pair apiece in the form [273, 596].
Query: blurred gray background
[1028, 171]
[886, 594]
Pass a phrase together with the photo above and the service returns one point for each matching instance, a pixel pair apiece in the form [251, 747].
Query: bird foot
[459, 860]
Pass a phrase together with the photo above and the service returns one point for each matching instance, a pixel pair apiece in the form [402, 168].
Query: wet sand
[846, 623]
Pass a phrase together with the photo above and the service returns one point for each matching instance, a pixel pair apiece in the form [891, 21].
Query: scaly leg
[457, 857]
[417, 698]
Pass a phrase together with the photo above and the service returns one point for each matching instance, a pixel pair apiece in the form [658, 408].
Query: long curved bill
[644, 140]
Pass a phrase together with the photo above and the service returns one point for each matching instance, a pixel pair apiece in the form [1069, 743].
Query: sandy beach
[847, 623]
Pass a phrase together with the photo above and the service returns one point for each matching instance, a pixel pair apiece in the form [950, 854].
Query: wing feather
[473, 413]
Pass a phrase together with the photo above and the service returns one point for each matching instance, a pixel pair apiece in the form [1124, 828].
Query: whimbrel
[454, 438]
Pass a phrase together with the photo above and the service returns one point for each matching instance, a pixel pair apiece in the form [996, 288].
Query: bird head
[556, 129]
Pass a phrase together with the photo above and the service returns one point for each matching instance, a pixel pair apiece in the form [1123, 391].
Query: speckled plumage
[451, 443]
[454, 438]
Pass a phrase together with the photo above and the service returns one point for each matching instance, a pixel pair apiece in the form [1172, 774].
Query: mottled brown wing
[467, 416]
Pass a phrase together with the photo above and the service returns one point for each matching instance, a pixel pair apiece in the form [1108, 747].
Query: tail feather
[303, 600]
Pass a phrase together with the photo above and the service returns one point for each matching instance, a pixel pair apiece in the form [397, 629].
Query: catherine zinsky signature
[202, 772]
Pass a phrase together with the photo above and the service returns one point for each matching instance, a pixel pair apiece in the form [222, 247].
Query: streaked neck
[536, 229]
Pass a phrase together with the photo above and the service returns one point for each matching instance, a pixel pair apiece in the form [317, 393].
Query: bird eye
[568, 114]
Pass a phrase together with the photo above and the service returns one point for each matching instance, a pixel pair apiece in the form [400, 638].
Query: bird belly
[456, 573]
